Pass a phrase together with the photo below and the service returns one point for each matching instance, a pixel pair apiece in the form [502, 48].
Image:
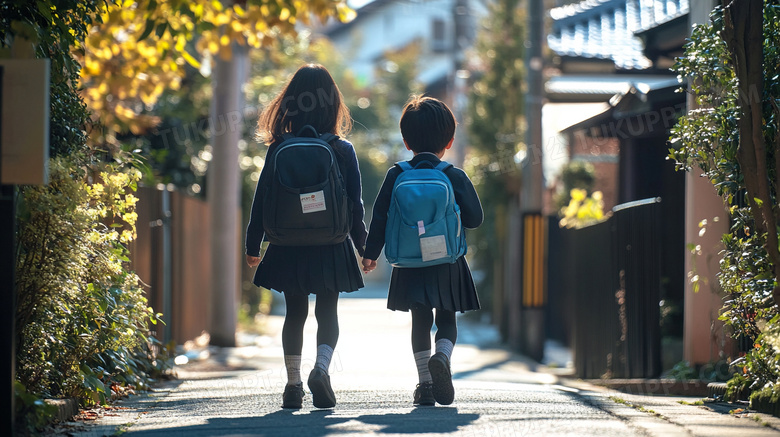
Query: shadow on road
[421, 420]
[320, 423]
[496, 365]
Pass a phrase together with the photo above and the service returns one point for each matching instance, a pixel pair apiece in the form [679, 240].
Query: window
[438, 39]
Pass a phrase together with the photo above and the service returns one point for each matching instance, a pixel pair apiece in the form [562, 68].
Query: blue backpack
[423, 222]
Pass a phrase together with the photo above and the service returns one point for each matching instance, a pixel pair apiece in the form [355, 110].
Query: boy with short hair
[428, 129]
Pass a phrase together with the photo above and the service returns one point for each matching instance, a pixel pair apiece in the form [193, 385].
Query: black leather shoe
[293, 396]
[321, 392]
[439, 366]
[423, 394]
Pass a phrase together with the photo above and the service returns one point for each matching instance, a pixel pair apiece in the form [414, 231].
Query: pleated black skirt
[444, 286]
[310, 269]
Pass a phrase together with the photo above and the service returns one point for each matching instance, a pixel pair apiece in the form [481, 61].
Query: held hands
[252, 261]
[368, 265]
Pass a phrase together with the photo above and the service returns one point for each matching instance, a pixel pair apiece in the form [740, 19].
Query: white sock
[293, 365]
[421, 359]
[324, 355]
[444, 346]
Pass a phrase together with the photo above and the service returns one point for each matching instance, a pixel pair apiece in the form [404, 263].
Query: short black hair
[427, 124]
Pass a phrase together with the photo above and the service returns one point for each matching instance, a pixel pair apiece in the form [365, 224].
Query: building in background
[617, 54]
[598, 53]
[445, 29]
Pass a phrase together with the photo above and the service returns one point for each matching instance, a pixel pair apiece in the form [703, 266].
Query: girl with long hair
[310, 98]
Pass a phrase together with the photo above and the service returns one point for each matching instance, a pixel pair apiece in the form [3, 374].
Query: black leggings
[422, 321]
[326, 312]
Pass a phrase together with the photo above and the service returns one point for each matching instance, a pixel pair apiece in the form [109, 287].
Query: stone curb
[600, 394]
[67, 409]
[655, 386]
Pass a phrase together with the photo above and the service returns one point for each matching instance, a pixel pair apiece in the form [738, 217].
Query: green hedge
[708, 139]
[82, 317]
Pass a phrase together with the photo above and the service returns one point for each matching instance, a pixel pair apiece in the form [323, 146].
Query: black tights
[326, 312]
[422, 321]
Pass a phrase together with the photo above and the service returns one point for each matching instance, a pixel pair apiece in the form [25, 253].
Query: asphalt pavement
[237, 391]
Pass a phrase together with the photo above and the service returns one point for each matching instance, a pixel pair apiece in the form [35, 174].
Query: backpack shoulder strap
[328, 137]
[443, 166]
[403, 165]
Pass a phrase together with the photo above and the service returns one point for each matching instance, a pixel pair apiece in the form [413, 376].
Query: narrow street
[238, 392]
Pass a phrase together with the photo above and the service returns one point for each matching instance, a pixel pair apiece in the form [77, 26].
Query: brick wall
[603, 153]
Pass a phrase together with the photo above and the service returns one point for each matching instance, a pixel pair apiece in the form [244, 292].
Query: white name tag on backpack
[433, 247]
[313, 202]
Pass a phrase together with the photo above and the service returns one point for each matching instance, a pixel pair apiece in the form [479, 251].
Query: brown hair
[427, 124]
[311, 97]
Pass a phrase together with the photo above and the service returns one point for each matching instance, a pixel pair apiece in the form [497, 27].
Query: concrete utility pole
[702, 202]
[531, 334]
[223, 195]
[461, 40]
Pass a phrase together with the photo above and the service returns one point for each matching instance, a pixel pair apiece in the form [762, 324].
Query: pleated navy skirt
[444, 286]
[310, 269]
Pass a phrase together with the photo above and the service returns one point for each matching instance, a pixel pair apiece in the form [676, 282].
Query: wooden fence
[187, 313]
[607, 280]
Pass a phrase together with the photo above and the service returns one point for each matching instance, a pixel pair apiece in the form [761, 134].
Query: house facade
[444, 28]
[619, 52]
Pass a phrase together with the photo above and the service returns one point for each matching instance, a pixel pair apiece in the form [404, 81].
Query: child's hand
[368, 265]
[252, 261]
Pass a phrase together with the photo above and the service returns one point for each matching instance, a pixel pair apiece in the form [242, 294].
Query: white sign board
[24, 142]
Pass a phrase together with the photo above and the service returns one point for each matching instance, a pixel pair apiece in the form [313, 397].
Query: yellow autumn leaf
[213, 46]
[221, 19]
[578, 195]
[120, 72]
[345, 13]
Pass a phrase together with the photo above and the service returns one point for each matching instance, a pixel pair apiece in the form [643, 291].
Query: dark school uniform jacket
[465, 196]
[350, 171]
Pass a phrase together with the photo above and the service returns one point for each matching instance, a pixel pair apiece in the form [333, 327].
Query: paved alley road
[481, 409]
[373, 375]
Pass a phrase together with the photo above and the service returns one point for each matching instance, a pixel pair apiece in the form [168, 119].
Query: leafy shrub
[574, 174]
[55, 28]
[81, 317]
[766, 400]
[583, 210]
[707, 138]
[33, 413]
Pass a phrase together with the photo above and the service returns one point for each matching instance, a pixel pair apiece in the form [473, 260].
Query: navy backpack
[305, 202]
